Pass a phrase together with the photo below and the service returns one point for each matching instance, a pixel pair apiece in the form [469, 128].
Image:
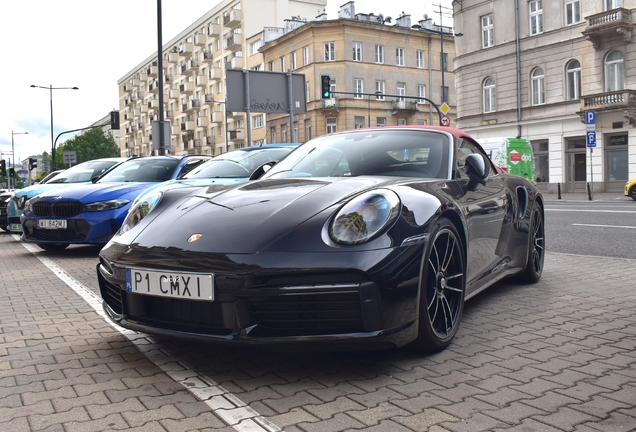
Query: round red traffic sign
[445, 121]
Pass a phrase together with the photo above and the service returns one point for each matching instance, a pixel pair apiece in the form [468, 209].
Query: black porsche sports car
[365, 238]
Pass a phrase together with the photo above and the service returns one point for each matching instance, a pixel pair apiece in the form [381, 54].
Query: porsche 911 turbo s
[370, 238]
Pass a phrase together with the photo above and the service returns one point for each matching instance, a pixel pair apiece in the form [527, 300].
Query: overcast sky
[91, 45]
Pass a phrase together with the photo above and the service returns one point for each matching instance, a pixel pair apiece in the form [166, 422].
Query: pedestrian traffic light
[325, 85]
[11, 172]
[114, 120]
[3, 168]
[33, 163]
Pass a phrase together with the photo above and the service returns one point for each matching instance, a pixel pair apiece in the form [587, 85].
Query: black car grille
[62, 209]
[76, 230]
[308, 314]
[111, 293]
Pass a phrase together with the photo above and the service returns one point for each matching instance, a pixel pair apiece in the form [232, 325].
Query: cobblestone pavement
[555, 356]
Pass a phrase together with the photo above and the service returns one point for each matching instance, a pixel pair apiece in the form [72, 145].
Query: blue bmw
[92, 213]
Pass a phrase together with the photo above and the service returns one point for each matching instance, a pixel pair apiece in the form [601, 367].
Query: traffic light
[33, 163]
[3, 168]
[11, 172]
[325, 86]
[114, 120]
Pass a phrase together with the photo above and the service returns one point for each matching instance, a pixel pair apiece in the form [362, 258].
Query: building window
[307, 130]
[444, 93]
[379, 90]
[272, 133]
[616, 156]
[487, 28]
[489, 95]
[613, 4]
[330, 51]
[538, 86]
[307, 98]
[271, 66]
[401, 122]
[536, 17]
[401, 90]
[399, 56]
[358, 122]
[541, 161]
[283, 133]
[295, 132]
[380, 121]
[282, 64]
[357, 88]
[421, 93]
[292, 60]
[257, 121]
[379, 54]
[331, 125]
[573, 78]
[572, 12]
[614, 73]
[305, 56]
[357, 51]
[443, 61]
[419, 59]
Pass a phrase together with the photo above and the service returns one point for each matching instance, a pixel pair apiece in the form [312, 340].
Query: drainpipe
[518, 58]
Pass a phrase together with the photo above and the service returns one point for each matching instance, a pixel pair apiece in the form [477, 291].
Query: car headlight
[364, 216]
[142, 206]
[105, 205]
[28, 207]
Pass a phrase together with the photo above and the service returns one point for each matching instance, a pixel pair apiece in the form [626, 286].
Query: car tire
[52, 246]
[632, 193]
[536, 248]
[442, 287]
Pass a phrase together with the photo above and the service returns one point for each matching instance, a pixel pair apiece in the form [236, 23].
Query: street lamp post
[13, 158]
[51, 88]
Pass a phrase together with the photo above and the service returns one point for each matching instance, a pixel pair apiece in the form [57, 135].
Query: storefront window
[616, 157]
[541, 161]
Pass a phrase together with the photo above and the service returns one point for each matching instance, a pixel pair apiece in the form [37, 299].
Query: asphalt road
[605, 229]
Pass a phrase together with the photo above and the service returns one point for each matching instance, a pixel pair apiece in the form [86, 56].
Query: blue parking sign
[590, 117]
[590, 138]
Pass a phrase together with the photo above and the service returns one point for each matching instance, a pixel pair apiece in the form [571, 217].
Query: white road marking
[605, 226]
[591, 211]
[225, 405]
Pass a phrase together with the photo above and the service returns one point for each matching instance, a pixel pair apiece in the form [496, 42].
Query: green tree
[92, 144]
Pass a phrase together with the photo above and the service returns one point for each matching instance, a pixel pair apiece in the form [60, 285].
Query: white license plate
[15, 227]
[52, 223]
[189, 286]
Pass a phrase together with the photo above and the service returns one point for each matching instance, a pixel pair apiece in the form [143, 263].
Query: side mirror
[477, 169]
[258, 172]
[95, 178]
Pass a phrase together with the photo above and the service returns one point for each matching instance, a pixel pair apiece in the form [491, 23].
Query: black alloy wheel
[536, 252]
[632, 193]
[442, 288]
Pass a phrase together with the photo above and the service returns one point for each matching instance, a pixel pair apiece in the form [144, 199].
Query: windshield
[50, 176]
[142, 170]
[403, 153]
[238, 163]
[84, 172]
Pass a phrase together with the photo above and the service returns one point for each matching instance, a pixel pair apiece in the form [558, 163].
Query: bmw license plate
[52, 223]
[188, 286]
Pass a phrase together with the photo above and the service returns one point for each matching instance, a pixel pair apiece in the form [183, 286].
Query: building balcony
[167, 78]
[207, 57]
[237, 136]
[193, 105]
[201, 80]
[143, 108]
[153, 103]
[173, 57]
[218, 117]
[234, 42]
[174, 93]
[203, 122]
[215, 73]
[608, 25]
[208, 141]
[186, 88]
[193, 64]
[200, 39]
[235, 115]
[404, 105]
[186, 48]
[328, 104]
[236, 63]
[187, 126]
[153, 88]
[152, 71]
[620, 100]
[214, 29]
[208, 99]
[233, 18]
[169, 114]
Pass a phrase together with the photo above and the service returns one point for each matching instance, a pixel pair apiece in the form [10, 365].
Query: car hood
[34, 190]
[87, 193]
[251, 217]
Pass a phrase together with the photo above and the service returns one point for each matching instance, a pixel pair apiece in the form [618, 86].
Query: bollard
[589, 192]
[559, 190]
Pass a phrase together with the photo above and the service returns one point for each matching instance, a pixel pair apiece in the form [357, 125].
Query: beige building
[534, 68]
[362, 53]
[194, 65]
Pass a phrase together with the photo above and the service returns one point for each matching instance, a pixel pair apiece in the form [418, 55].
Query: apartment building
[532, 69]
[194, 65]
[382, 72]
